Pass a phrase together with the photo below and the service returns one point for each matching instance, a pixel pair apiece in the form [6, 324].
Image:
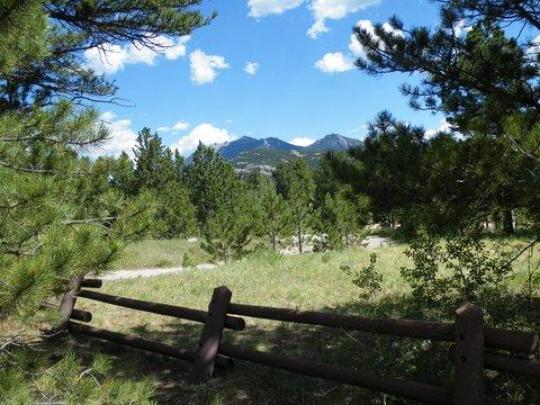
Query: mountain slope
[247, 153]
[333, 142]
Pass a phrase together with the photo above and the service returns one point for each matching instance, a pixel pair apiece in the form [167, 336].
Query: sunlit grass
[161, 253]
[307, 282]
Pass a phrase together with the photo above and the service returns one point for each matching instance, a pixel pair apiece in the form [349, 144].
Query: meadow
[313, 281]
[161, 253]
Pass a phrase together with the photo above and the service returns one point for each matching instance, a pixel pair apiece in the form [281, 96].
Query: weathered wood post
[68, 303]
[469, 356]
[203, 367]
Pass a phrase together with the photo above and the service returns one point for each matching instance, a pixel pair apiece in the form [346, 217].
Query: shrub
[462, 269]
[367, 279]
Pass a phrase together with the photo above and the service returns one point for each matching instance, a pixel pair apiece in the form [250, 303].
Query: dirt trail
[150, 272]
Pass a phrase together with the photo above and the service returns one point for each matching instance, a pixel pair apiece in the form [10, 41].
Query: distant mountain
[247, 153]
[334, 142]
[232, 149]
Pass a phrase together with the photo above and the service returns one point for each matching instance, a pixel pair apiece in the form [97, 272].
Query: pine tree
[338, 220]
[59, 216]
[272, 213]
[295, 182]
[229, 228]
[478, 68]
[77, 25]
[161, 172]
[210, 178]
[122, 174]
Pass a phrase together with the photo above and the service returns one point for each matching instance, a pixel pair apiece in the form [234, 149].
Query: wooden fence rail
[474, 348]
[139, 343]
[395, 386]
[195, 315]
[437, 331]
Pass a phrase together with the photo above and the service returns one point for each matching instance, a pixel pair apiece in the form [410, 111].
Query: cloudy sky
[262, 68]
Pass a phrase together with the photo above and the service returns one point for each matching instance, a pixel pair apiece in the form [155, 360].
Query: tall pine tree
[295, 182]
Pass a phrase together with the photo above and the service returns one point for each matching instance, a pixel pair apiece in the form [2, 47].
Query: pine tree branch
[10, 165]
[36, 137]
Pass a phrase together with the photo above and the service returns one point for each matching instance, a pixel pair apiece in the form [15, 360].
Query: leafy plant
[367, 279]
[462, 269]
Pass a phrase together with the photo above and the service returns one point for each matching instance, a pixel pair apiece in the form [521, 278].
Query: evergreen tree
[175, 214]
[122, 174]
[338, 220]
[77, 25]
[210, 178]
[160, 171]
[387, 168]
[273, 214]
[484, 78]
[229, 227]
[59, 217]
[295, 182]
[154, 165]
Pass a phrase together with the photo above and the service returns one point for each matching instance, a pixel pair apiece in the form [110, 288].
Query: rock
[374, 242]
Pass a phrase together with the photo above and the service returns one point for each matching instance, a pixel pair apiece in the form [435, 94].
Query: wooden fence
[475, 346]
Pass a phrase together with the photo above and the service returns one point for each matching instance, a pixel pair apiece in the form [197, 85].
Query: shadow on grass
[249, 383]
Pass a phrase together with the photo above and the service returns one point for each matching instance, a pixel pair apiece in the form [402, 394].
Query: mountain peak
[335, 142]
[247, 151]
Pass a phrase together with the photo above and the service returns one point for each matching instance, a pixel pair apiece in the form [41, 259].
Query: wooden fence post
[68, 303]
[203, 367]
[469, 356]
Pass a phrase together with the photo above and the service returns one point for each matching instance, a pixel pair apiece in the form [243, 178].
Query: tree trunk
[299, 236]
[508, 222]
[225, 255]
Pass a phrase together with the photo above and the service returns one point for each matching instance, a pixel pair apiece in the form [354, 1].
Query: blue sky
[256, 71]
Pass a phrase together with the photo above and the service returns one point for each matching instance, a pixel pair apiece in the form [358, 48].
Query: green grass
[160, 253]
[309, 282]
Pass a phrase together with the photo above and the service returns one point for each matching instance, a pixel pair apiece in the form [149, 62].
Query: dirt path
[150, 272]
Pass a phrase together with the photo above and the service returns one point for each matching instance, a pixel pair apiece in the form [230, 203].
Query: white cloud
[444, 126]
[302, 141]
[318, 28]
[204, 133]
[106, 59]
[261, 8]
[460, 27]
[204, 68]
[321, 10]
[251, 68]
[388, 28]
[174, 50]
[534, 50]
[122, 137]
[357, 49]
[179, 126]
[354, 46]
[334, 9]
[109, 59]
[335, 62]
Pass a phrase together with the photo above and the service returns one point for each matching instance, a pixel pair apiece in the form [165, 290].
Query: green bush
[367, 279]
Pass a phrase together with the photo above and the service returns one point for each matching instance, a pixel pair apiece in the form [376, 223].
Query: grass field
[309, 282]
[161, 253]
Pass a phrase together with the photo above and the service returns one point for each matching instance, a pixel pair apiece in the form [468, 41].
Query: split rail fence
[475, 347]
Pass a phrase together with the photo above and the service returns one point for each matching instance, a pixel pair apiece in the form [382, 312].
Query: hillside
[247, 153]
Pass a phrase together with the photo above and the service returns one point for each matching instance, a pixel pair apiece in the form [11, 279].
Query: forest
[464, 202]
